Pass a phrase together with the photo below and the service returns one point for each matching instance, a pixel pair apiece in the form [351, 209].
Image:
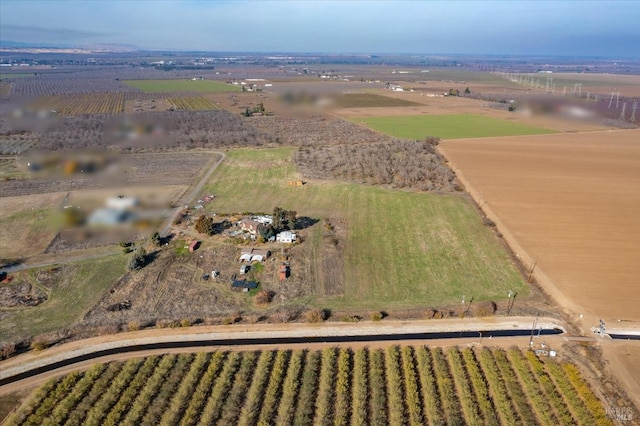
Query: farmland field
[369, 100]
[396, 385]
[627, 85]
[31, 230]
[570, 202]
[78, 286]
[402, 248]
[181, 86]
[77, 104]
[450, 126]
[192, 103]
[15, 75]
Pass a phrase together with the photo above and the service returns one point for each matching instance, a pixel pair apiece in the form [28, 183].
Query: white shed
[286, 237]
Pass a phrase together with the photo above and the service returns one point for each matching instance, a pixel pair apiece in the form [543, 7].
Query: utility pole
[512, 300]
[611, 99]
[624, 107]
[533, 327]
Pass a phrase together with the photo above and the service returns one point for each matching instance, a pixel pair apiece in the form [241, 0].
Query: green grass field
[81, 286]
[16, 75]
[203, 86]
[454, 126]
[31, 232]
[403, 248]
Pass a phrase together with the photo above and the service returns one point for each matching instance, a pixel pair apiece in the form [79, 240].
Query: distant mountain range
[18, 46]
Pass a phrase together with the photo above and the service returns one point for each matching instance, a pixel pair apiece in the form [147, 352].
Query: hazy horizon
[569, 28]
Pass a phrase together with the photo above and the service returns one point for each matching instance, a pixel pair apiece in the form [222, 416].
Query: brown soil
[570, 202]
[567, 205]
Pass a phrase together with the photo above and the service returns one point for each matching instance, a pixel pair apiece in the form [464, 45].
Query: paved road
[185, 200]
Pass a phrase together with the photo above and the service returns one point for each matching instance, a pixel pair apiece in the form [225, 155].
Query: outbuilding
[286, 237]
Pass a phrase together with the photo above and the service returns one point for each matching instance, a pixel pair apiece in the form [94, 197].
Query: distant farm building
[295, 183]
[194, 246]
[286, 237]
[254, 255]
[121, 203]
[241, 285]
[249, 225]
[108, 216]
[264, 219]
[117, 210]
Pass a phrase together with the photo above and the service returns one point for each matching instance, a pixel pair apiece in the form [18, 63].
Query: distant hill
[96, 48]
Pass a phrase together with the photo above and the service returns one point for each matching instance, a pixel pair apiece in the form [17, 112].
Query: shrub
[485, 309]
[162, 323]
[232, 319]
[429, 313]
[133, 326]
[156, 239]
[138, 260]
[39, 344]
[255, 318]
[282, 316]
[351, 318]
[262, 298]
[376, 316]
[7, 350]
[315, 315]
[205, 225]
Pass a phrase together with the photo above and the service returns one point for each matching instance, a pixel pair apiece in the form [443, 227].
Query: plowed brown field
[570, 203]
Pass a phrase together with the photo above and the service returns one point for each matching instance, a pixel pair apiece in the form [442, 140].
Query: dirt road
[188, 199]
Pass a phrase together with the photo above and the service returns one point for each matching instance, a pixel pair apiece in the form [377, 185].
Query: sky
[555, 28]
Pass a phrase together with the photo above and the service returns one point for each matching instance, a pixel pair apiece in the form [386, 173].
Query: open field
[181, 86]
[15, 75]
[77, 104]
[397, 385]
[70, 291]
[369, 100]
[31, 230]
[604, 84]
[453, 126]
[402, 248]
[192, 103]
[570, 202]
[432, 104]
